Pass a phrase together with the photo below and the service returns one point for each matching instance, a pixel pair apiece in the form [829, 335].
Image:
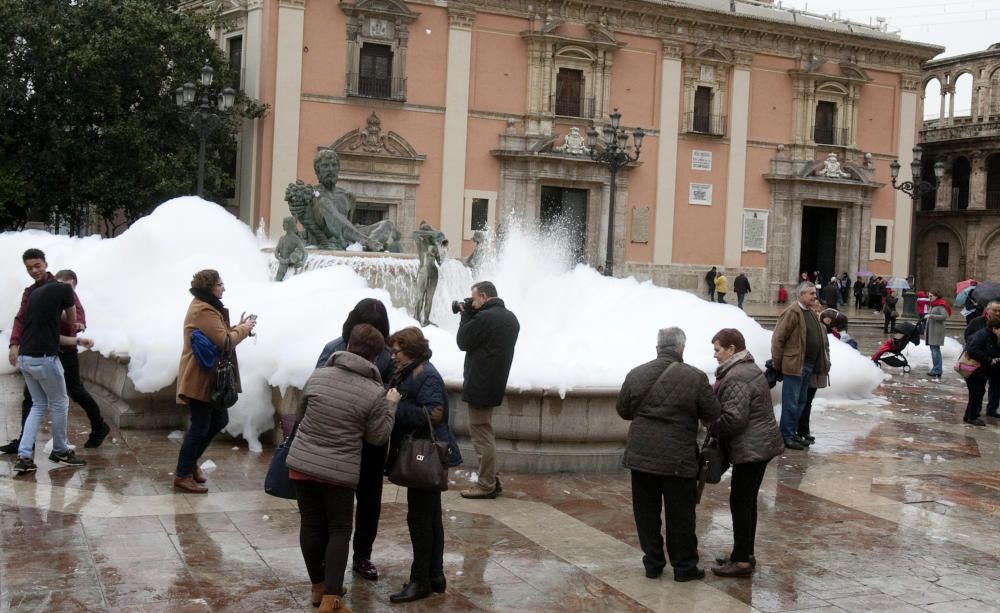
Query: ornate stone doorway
[563, 214]
[819, 241]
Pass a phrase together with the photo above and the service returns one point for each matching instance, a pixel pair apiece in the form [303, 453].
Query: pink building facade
[468, 114]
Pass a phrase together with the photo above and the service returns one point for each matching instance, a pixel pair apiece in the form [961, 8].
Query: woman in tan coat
[194, 382]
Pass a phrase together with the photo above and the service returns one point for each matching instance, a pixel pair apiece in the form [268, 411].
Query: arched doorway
[960, 171]
[940, 258]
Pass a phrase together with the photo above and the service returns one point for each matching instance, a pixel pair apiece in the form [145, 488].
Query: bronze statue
[326, 211]
[291, 249]
[429, 242]
[475, 259]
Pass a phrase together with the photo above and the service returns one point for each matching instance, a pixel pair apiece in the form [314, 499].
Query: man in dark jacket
[831, 294]
[487, 334]
[742, 287]
[664, 399]
[710, 281]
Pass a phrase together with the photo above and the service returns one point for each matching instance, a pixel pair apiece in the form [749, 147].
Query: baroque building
[958, 225]
[769, 132]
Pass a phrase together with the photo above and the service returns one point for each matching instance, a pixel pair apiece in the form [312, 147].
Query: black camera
[465, 305]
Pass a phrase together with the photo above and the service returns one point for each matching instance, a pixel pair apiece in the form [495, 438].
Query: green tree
[89, 121]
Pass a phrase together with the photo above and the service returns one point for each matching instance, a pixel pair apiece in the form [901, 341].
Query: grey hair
[670, 338]
[805, 287]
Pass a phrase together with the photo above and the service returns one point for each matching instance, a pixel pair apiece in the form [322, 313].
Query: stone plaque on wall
[640, 225]
[700, 193]
[701, 160]
[755, 230]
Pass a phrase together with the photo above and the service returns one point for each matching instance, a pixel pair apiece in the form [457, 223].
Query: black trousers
[206, 422]
[423, 518]
[369, 497]
[803, 429]
[650, 493]
[858, 301]
[325, 512]
[977, 389]
[74, 387]
[890, 323]
[993, 393]
[743, 505]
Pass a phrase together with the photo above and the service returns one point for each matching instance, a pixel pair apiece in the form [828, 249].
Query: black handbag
[421, 463]
[712, 463]
[224, 391]
[277, 482]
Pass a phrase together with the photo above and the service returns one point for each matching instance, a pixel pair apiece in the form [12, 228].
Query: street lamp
[201, 118]
[915, 188]
[614, 155]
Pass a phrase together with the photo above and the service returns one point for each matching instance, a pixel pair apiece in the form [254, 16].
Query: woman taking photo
[195, 382]
[422, 397]
[749, 434]
[982, 347]
[343, 404]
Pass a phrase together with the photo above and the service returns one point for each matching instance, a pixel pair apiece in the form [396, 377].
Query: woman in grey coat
[938, 314]
[750, 437]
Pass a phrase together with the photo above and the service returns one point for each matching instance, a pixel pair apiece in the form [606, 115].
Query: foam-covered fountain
[580, 332]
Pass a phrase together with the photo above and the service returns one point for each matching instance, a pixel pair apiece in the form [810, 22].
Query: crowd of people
[373, 389]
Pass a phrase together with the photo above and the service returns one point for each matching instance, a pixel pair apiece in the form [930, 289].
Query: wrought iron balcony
[572, 107]
[388, 88]
[824, 135]
[714, 125]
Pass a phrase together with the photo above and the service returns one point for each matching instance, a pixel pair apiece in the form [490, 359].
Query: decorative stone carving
[429, 243]
[831, 168]
[372, 137]
[573, 143]
[291, 250]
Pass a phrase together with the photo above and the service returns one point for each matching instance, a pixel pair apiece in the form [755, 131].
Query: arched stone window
[962, 96]
[825, 107]
[932, 99]
[961, 169]
[706, 88]
[377, 38]
[831, 118]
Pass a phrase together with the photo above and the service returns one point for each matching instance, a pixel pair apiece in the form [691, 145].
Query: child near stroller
[891, 351]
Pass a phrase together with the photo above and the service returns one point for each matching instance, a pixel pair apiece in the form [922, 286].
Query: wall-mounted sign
[640, 225]
[700, 193]
[755, 230]
[701, 160]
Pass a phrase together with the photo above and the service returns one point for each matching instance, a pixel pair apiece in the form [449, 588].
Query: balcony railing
[959, 199]
[573, 107]
[823, 135]
[697, 123]
[993, 200]
[389, 88]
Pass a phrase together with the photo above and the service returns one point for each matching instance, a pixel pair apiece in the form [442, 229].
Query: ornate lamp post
[615, 155]
[201, 118]
[915, 188]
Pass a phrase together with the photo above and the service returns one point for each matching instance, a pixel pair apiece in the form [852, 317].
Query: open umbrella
[986, 292]
[898, 283]
[961, 285]
[865, 273]
[963, 296]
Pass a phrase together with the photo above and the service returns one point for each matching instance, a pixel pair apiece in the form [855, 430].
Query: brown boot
[317, 593]
[331, 603]
[198, 475]
[189, 485]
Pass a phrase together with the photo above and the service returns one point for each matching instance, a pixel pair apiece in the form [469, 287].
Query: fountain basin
[537, 431]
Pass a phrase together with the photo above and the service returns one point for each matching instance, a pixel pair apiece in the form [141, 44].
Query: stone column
[739, 117]
[908, 103]
[666, 160]
[854, 239]
[287, 103]
[943, 200]
[456, 125]
[977, 181]
[249, 143]
[944, 97]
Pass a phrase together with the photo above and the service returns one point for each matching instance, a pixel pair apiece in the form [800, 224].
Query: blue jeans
[206, 422]
[793, 400]
[935, 360]
[740, 296]
[47, 384]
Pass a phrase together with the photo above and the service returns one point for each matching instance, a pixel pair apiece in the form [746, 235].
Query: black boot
[411, 591]
[439, 584]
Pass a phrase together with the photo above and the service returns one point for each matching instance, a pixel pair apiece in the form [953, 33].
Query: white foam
[578, 328]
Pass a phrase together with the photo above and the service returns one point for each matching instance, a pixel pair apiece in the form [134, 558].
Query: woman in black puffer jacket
[982, 347]
[750, 436]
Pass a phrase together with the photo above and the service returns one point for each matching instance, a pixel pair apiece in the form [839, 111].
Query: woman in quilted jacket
[750, 436]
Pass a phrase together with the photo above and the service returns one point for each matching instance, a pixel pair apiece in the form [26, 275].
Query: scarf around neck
[404, 373]
[208, 297]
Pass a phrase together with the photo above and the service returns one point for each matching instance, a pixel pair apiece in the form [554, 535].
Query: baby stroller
[891, 352]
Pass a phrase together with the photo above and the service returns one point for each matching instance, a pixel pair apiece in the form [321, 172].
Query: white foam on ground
[578, 328]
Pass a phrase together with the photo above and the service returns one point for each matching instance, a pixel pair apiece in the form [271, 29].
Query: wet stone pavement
[894, 509]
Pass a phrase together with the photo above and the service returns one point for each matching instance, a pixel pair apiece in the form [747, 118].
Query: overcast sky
[960, 26]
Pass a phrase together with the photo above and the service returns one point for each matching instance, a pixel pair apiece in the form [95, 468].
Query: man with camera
[487, 334]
